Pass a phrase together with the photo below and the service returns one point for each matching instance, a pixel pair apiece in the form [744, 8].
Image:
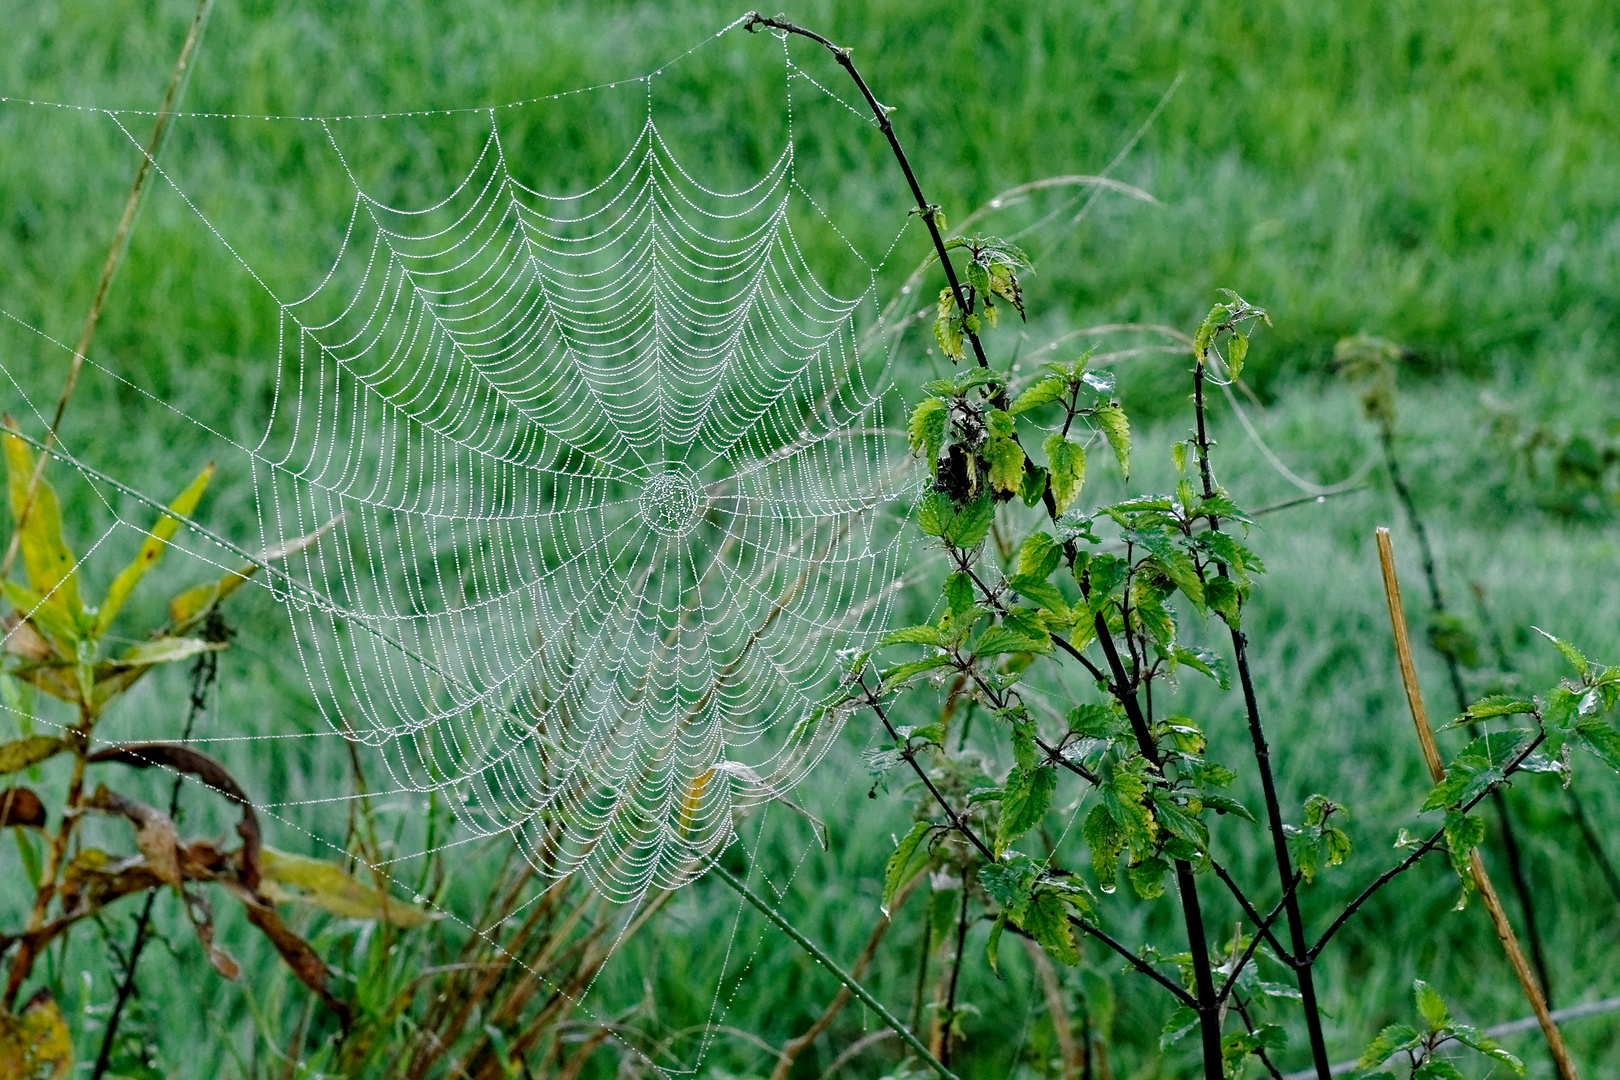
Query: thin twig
[831, 965]
[203, 673]
[109, 266]
[1437, 605]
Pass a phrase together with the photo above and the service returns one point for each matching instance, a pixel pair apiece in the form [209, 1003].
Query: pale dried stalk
[1431, 757]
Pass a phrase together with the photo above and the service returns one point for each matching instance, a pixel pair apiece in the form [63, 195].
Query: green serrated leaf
[1180, 1024]
[1106, 840]
[1601, 740]
[978, 276]
[1224, 805]
[1392, 1040]
[1046, 920]
[1499, 705]
[1463, 835]
[1475, 1040]
[1040, 591]
[1176, 819]
[959, 593]
[1147, 877]
[1205, 661]
[915, 635]
[1094, 721]
[1024, 802]
[1430, 1005]
[1116, 428]
[1039, 555]
[1010, 882]
[1067, 463]
[901, 674]
[1480, 765]
[993, 946]
[1033, 488]
[1043, 391]
[997, 640]
[934, 513]
[972, 523]
[894, 871]
[926, 430]
[1580, 663]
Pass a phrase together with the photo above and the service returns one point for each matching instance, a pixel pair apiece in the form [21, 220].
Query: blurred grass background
[1446, 176]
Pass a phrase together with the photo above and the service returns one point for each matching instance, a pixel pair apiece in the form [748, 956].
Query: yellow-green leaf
[36, 1044]
[1006, 459]
[927, 428]
[189, 608]
[298, 879]
[21, 753]
[1116, 427]
[152, 549]
[44, 615]
[1067, 462]
[165, 650]
[45, 556]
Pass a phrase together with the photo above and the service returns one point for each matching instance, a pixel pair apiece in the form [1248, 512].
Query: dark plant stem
[1206, 1004]
[203, 673]
[1577, 809]
[956, 974]
[925, 209]
[1411, 860]
[1437, 606]
[860, 992]
[1301, 959]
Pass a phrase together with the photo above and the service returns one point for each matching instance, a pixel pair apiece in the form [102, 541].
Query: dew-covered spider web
[602, 482]
[604, 470]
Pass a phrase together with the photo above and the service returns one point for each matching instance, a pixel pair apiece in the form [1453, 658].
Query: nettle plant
[1036, 577]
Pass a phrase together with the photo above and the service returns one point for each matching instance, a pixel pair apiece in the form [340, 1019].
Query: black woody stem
[925, 209]
[1302, 959]
[1206, 1003]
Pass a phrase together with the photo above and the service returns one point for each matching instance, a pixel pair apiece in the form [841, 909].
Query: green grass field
[1444, 176]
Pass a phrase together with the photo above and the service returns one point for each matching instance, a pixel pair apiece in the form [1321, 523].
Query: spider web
[605, 471]
[600, 483]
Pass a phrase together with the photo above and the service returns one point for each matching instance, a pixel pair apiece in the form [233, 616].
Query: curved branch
[926, 210]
